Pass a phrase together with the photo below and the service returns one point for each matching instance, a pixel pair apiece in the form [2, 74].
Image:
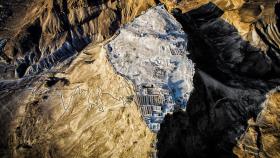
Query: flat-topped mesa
[153, 54]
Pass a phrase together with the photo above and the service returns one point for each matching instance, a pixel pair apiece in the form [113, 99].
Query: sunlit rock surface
[261, 138]
[154, 54]
[84, 112]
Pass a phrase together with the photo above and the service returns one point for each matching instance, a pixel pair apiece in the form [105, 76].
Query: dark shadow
[51, 81]
[28, 44]
[277, 12]
[231, 80]
[95, 2]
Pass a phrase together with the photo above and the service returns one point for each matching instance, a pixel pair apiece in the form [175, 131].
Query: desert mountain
[139, 78]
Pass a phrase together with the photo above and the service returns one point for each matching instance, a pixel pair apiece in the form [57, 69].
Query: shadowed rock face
[262, 135]
[54, 31]
[10, 9]
[231, 81]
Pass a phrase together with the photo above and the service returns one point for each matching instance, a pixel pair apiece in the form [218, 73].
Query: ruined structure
[161, 72]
